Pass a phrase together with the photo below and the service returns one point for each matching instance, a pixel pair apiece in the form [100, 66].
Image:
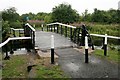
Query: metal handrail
[61, 24]
[99, 35]
[16, 29]
[14, 38]
[30, 27]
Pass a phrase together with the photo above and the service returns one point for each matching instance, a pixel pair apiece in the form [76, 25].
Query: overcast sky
[35, 6]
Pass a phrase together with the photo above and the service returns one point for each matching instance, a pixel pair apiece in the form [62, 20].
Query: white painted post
[86, 42]
[105, 46]
[52, 49]
[42, 26]
[86, 49]
[106, 39]
[52, 41]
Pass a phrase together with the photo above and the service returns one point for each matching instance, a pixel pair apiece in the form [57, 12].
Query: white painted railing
[62, 24]
[99, 35]
[30, 27]
[17, 29]
[15, 38]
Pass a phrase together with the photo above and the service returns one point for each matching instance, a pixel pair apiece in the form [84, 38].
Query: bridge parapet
[27, 40]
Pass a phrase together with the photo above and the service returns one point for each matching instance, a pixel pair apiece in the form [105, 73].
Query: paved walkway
[43, 40]
[72, 62]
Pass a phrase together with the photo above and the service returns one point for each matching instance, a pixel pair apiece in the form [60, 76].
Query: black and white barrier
[105, 45]
[86, 49]
[52, 49]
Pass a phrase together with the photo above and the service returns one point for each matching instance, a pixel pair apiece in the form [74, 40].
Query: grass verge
[16, 67]
[47, 70]
[112, 55]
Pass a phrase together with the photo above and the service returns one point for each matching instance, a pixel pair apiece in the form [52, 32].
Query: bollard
[105, 45]
[86, 49]
[42, 26]
[52, 49]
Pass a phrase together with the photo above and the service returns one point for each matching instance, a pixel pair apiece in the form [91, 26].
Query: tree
[47, 18]
[86, 16]
[65, 14]
[10, 15]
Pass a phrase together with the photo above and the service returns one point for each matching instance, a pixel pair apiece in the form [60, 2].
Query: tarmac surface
[72, 61]
[43, 40]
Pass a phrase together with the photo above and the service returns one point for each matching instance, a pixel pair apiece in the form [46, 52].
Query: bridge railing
[62, 29]
[29, 31]
[13, 31]
[14, 42]
[77, 34]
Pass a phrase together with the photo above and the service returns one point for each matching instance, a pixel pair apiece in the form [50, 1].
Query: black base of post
[28, 50]
[86, 55]
[105, 50]
[93, 47]
[11, 52]
[42, 28]
[52, 56]
[7, 58]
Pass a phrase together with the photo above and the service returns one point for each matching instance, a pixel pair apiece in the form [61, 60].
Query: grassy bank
[16, 67]
[112, 55]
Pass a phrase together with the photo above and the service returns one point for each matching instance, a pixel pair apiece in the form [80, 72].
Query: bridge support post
[61, 30]
[71, 34]
[65, 31]
[51, 27]
[86, 49]
[47, 28]
[42, 26]
[83, 35]
[11, 47]
[105, 45]
[7, 57]
[57, 28]
[14, 33]
[78, 36]
[54, 27]
[52, 49]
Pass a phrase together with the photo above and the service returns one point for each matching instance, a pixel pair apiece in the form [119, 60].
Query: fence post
[51, 27]
[11, 47]
[47, 28]
[78, 36]
[71, 34]
[54, 27]
[7, 57]
[57, 28]
[61, 30]
[86, 49]
[65, 31]
[83, 35]
[14, 33]
[52, 49]
[42, 26]
[105, 45]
